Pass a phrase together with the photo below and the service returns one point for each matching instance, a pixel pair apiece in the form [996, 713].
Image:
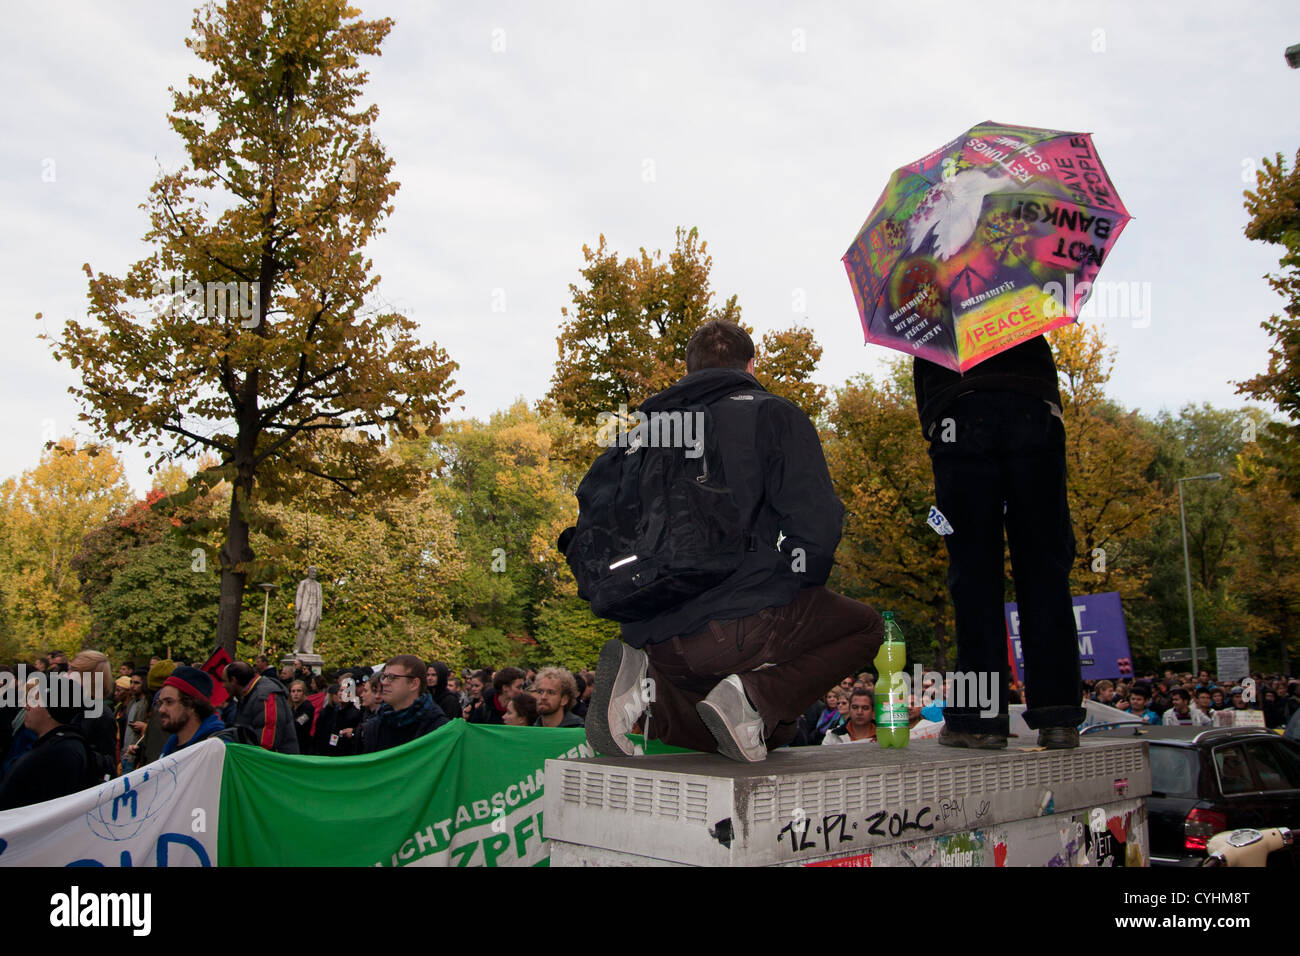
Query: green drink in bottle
[891, 687]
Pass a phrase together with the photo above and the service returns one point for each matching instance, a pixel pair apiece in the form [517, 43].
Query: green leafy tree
[269, 342]
[1274, 207]
[506, 495]
[571, 636]
[1198, 440]
[385, 568]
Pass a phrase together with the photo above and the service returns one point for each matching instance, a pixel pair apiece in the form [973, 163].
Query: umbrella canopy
[984, 243]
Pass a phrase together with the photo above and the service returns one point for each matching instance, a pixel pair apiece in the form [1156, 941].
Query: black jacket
[332, 719]
[773, 462]
[391, 728]
[448, 702]
[58, 764]
[485, 711]
[1027, 368]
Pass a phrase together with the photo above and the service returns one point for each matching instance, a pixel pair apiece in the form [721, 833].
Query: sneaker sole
[728, 746]
[600, 738]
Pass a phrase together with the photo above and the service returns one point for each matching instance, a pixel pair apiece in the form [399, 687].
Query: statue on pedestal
[306, 612]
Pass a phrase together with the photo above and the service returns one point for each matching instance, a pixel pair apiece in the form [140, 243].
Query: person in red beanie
[185, 706]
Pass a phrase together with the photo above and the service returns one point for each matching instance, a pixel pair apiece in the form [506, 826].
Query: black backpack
[657, 524]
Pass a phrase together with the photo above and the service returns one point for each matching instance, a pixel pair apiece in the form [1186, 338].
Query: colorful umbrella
[984, 243]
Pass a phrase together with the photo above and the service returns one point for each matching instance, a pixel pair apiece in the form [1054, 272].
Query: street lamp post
[267, 588]
[1187, 563]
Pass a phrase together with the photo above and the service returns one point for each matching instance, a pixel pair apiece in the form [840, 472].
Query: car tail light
[1200, 825]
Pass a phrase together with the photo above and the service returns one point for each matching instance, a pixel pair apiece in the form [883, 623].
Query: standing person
[185, 704]
[407, 712]
[1139, 704]
[997, 450]
[735, 666]
[137, 715]
[861, 724]
[61, 761]
[439, 682]
[1182, 713]
[263, 708]
[97, 721]
[337, 716]
[521, 711]
[370, 693]
[303, 715]
[556, 692]
[149, 746]
[492, 708]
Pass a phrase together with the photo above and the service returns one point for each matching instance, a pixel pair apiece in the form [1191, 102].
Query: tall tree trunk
[237, 552]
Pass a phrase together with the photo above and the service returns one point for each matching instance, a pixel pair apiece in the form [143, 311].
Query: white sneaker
[736, 726]
[619, 699]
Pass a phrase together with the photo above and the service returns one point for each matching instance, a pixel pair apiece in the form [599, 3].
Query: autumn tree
[1108, 466]
[44, 515]
[1274, 207]
[1267, 564]
[247, 331]
[889, 556]
[625, 337]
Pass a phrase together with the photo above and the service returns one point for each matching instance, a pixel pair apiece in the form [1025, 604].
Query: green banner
[464, 795]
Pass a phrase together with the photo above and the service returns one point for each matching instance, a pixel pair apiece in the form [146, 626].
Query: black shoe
[1058, 738]
[955, 738]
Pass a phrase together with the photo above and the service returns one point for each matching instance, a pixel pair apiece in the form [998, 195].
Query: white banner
[165, 814]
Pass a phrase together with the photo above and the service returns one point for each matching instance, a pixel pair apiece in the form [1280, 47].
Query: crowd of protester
[54, 742]
[129, 719]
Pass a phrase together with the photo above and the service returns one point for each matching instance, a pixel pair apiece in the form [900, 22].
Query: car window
[1234, 772]
[1173, 771]
[1275, 765]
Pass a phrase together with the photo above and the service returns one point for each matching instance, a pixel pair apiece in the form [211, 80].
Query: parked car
[1206, 780]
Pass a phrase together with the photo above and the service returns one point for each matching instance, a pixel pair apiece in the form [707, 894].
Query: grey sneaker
[736, 726]
[618, 700]
[1058, 738]
[955, 738]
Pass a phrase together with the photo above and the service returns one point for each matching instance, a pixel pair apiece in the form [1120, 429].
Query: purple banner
[1103, 639]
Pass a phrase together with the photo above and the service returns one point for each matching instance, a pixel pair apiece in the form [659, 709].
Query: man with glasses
[407, 712]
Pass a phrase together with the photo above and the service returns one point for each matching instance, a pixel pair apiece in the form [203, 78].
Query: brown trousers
[786, 657]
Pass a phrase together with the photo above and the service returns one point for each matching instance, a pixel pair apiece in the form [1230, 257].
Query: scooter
[1246, 847]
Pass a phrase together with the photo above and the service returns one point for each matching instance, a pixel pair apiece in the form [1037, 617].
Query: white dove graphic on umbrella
[952, 208]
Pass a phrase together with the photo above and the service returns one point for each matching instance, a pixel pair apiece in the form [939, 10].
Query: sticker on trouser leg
[938, 522]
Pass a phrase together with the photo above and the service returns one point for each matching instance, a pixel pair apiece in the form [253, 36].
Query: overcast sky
[522, 131]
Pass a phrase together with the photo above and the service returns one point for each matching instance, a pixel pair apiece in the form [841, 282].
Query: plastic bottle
[891, 687]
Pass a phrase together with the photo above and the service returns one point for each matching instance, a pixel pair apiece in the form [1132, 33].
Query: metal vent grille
[667, 797]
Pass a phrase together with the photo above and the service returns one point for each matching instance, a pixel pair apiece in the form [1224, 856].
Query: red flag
[213, 667]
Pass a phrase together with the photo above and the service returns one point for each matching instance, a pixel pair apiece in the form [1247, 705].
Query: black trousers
[1008, 449]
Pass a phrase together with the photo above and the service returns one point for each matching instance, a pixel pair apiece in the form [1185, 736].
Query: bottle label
[891, 709]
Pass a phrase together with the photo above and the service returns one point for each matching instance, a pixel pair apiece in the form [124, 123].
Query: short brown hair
[719, 344]
[414, 666]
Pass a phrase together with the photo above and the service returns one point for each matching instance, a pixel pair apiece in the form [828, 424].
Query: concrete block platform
[854, 805]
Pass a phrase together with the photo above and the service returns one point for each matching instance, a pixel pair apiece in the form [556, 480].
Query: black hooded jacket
[448, 701]
[774, 466]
